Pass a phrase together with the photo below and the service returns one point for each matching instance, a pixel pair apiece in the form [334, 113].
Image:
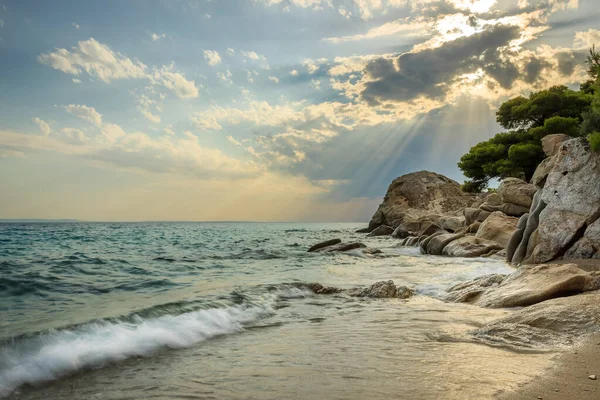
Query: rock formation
[548, 324]
[417, 195]
[528, 285]
[563, 217]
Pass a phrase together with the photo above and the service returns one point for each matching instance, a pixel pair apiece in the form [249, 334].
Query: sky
[260, 110]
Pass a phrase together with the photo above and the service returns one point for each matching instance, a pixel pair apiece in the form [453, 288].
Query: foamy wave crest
[52, 355]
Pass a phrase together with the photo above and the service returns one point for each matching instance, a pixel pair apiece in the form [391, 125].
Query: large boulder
[451, 223]
[516, 191]
[511, 209]
[549, 324]
[561, 222]
[436, 245]
[529, 285]
[551, 143]
[542, 171]
[382, 230]
[498, 227]
[572, 195]
[471, 246]
[419, 194]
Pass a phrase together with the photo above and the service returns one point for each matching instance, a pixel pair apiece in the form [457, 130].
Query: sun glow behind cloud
[235, 122]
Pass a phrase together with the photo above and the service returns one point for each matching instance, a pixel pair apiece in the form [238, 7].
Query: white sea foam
[55, 354]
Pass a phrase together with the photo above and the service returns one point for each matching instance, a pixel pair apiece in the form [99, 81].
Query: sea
[183, 310]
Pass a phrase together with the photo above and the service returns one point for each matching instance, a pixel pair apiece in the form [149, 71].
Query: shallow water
[202, 310]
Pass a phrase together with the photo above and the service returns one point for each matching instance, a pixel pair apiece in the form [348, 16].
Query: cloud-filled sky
[273, 110]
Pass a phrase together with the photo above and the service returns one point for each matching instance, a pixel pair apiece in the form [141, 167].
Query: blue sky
[260, 109]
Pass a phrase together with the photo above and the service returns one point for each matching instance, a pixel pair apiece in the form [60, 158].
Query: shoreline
[568, 377]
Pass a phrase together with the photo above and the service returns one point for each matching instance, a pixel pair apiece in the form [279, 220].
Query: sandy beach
[568, 379]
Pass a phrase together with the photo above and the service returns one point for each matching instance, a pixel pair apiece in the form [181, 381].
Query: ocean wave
[54, 354]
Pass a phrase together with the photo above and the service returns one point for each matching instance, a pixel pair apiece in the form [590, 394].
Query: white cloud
[231, 52]
[112, 132]
[100, 62]
[225, 76]
[43, 125]
[406, 27]
[274, 79]
[212, 57]
[251, 74]
[294, 72]
[175, 81]
[155, 36]
[76, 81]
[96, 59]
[85, 112]
[150, 117]
[252, 55]
[169, 131]
[585, 40]
[73, 136]
[76, 26]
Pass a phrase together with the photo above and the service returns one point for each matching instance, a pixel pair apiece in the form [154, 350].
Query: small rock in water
[324, 244]
[592, 377]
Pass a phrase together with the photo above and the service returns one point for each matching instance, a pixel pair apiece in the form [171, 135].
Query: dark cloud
[566, 62]
[534, 68]
[427, 72]
[505, 73]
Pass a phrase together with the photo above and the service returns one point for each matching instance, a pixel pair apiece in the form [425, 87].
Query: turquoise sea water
[207, 310]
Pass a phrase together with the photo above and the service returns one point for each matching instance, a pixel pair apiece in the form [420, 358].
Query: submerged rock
[383, 289]
[562, 321]
[529, 285]
[380, 290]
[341, 247]
[326, 243]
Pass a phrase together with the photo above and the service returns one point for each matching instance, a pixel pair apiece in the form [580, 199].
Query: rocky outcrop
[548, 324]
[562, 218]
[471, 246]
[417, 195]
[498, 227]
[529, 285]
[324, 244]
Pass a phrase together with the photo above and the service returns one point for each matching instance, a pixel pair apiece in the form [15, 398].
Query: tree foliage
[593, 64]
[531, 112]
[511, 154]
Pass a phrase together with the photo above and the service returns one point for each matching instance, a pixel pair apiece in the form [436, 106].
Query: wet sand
[568, 379]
